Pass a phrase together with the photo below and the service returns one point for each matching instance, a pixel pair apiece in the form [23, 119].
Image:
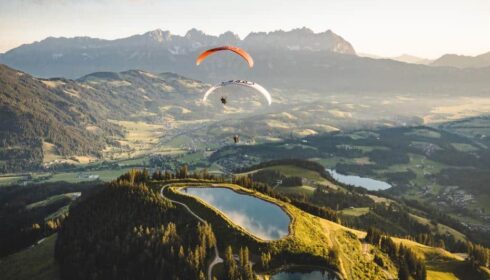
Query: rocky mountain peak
[229, 38]
[300, 39]
[158, 35]
[195, 34]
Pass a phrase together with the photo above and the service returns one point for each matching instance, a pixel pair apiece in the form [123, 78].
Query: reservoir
[367, 183]
[261, 218]
[304, 275]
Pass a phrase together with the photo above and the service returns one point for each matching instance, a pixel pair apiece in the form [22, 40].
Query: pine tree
[403, 272]
[230, 264]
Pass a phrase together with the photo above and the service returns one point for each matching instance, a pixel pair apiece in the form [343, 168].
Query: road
[217, 258]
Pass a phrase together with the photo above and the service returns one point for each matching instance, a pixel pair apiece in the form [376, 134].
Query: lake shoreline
[235, 213]
[358, 181]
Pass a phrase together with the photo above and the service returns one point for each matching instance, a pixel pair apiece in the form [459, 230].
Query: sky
[425, 28]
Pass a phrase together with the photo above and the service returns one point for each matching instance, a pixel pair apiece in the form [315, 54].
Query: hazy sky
[427, 28]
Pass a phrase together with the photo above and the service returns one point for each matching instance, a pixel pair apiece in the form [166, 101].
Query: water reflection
[298, 275]
[367, 183]
[261, 218]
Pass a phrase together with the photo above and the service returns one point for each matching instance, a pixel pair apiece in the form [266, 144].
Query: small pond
[261, 218]
[367, 183]
[304, 275]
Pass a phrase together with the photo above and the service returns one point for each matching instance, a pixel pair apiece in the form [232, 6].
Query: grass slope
[309, 235]
[34, 263]
[316, 236]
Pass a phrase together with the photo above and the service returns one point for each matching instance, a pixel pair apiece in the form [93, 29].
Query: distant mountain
[462, 61]
[412, 59]
[156, 50]
[299, 39]
[289, 60]
[370, 55]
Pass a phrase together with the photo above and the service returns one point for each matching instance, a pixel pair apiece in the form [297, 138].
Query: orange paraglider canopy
[236, 50]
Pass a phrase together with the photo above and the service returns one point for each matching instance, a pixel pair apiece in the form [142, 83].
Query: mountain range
[156, 50]
[81, 116]
[290, 60]
[463, 61]
[412, 59]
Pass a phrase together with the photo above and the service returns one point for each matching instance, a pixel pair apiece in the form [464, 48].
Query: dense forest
[127, 231]
[272, 178]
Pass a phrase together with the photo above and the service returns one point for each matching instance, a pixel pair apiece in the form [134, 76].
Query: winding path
[217, 258]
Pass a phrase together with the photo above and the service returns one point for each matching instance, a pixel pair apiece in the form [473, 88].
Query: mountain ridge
[58, 56]
[463, 61]
[75, 117]
[299, 59]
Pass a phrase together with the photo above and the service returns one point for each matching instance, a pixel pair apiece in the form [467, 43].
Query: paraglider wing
[252, 85]
[236, 50]
[210, 90]
[264, 92]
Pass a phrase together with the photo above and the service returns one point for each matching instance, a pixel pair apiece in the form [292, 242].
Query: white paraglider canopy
[249, 84]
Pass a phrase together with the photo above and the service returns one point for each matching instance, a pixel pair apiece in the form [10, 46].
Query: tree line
[409, 265]
[273, 177]
[323, 212]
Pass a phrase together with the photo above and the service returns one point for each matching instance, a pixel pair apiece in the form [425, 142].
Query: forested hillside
[31, 113]
[128, 232]
[30, 213]
[68, 118]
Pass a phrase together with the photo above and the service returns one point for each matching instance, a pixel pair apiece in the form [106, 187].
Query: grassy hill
[36, 262]
[309, 235]
[445, 168]
[356, 206]
[313, 235]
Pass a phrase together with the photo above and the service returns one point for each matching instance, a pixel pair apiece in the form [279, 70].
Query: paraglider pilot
[223, 100]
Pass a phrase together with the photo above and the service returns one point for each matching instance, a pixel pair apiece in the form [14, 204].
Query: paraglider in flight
[236, 50]
[249, 84]
[223, 100]
[236, 138]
